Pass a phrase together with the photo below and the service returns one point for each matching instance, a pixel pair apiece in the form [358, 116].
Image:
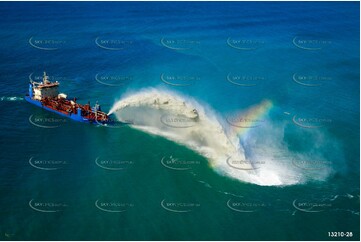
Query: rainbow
[255, 116]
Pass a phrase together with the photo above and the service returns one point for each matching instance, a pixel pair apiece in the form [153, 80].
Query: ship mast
[45, 79]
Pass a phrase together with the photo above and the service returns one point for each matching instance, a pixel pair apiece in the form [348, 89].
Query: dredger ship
[46, 95]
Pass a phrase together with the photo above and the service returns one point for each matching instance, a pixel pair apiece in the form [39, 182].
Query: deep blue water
[303, 56]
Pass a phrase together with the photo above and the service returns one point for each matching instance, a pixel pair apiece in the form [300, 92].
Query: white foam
[206, 136]
[11, 99]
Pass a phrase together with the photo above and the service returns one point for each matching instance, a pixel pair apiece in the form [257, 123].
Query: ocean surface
[271, 151]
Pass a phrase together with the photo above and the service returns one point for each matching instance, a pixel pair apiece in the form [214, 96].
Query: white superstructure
[45, 88]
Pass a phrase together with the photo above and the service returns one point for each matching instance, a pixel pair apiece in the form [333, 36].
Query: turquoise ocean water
[291, 68]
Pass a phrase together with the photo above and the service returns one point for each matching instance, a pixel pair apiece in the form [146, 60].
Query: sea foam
[173, 117]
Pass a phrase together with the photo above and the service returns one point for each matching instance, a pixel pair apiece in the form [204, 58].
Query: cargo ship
[46, 95]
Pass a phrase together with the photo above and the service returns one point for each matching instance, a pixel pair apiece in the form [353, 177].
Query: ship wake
[187, 122]
[11, 99]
